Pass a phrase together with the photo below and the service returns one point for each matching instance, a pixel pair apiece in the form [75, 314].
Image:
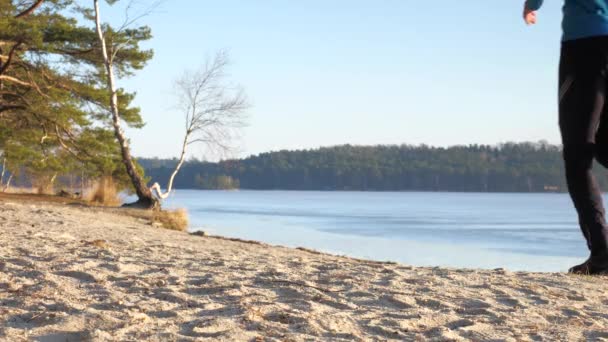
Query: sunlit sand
[71, 274]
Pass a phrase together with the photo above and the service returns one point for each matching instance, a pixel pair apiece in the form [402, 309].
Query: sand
[71, 274]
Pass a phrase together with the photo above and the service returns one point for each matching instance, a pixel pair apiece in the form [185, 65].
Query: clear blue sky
[324, 72]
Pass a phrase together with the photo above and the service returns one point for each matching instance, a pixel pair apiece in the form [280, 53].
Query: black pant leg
[601, 140]
[582, 96]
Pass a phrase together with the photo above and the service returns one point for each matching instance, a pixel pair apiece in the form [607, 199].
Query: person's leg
[601, 139]
[600, 148]
[582, 97]
[601, 144]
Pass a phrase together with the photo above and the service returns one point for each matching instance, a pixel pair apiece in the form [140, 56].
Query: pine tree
[54, 113]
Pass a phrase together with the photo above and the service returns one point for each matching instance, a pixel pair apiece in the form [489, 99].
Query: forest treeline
[509, 167]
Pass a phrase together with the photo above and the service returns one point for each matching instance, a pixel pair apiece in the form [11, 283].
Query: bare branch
[115, 49]
[144, 13]
[213, 110]
[64, 145]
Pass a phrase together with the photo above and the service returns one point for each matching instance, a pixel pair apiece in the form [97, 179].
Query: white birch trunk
[143, 193]
[8, 183]
[156, 187]
[3, 171]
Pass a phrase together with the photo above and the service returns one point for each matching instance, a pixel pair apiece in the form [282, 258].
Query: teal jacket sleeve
[534, 5]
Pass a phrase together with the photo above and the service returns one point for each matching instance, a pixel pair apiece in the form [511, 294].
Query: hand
[529, 16]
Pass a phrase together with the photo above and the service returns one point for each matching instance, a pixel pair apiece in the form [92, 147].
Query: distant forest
[509, 167]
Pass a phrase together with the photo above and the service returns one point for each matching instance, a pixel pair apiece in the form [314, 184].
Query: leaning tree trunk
[144, 195]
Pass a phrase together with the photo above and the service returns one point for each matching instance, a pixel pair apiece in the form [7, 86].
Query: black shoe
[580, 269]
[596, 264]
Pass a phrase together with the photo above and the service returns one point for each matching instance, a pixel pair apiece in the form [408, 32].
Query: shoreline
[73, 273]
[389, 191]
[397, 251]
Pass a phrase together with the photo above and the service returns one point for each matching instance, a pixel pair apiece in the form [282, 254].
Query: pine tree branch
[30, 9]
[9, 58]
[15, 80]
[10, 107]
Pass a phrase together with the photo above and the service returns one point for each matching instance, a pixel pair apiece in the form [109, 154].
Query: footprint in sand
[81, 276]
[596, 336]
[35, 319]
[571, 313]
[398, 301]
[533, 296]
[339, 305]
[472, 311]
[208, 328]
[167, 296]
[284, 318]
[432, 304]
[63, 337]
[20, 262]
[576, 297]
[476, 304]
[163, 314]
[510, 302]
[461, 323]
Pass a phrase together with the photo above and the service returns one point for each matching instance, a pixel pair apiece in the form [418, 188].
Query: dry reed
[104, 193]
[172, 219]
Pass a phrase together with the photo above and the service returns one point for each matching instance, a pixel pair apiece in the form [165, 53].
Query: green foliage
[54, 115]
[511, 167]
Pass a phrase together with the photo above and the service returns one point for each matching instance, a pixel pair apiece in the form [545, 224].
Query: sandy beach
[70, 273]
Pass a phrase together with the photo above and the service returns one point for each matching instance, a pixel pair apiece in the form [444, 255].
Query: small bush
[104, 193]
[43, 190]
[172, 219]
[42, 185]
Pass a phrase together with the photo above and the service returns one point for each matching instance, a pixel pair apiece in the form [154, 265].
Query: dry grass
[43, 190]
[42, 186]
[32, 197]
[172, 219]
[104, 193]
[21, 190]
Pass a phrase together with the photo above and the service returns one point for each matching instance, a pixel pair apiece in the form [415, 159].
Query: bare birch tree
[213, 110]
